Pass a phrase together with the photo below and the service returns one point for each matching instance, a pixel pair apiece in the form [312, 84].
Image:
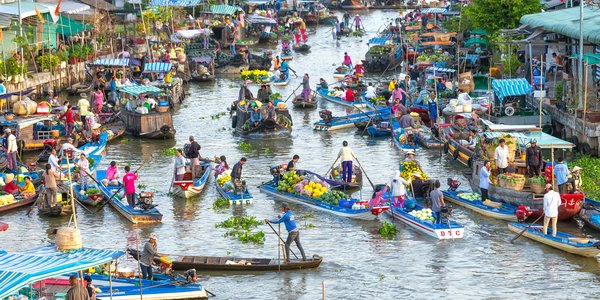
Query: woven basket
[516, 184]
[501, 182]
[537, 188]
[162, 109]
[68, 238]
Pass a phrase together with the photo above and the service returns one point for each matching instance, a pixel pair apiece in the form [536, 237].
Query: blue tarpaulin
[111, 62]
[440, 70]
[18, 270]
[157, 67]
[434, 10]
[177, 3]
[137, 90]
[378, 41]
[511, 87]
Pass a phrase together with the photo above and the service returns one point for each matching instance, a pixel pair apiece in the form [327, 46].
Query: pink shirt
[129, 182]
[111, 172]
[98, 98]
[347, 60]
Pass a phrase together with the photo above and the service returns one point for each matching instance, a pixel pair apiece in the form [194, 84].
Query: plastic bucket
[345, 203]
[163, 103]
[409, 204]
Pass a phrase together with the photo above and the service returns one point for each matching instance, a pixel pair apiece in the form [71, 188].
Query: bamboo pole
[71, 193]
[585, 96]
[542, 71]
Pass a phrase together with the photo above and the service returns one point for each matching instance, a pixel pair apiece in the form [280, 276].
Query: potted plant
[48, 61]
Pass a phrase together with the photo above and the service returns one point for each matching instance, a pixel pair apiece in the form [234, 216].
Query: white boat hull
[442, 234]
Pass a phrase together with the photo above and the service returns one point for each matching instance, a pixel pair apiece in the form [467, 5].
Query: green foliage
[458, 24]
[13, 67]
[387, 230]
[92, 191]
[241, 228]
[245, 147]
[493, 15]
[220, 203]
[589, 175]
[48, 61]
[558, 91]
[246, 223]
[170, 151]
[541, 180]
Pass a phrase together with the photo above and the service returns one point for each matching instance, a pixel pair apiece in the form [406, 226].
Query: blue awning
[177, 3]
[18, 270]
[378, 41]
[511, 87]
[439, 70]
[111, 62]
[137, 90]
[434, 10]
[544, 140]
[222, 10]
[259, 20]
[157, 67]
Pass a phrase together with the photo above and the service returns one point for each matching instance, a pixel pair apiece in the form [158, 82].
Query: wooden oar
[117, 192]
[293, 93]
[279, 236]
[333, 164]
[365, 173]
[523, 231]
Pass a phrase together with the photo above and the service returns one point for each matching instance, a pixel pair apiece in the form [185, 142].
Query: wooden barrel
[68, 238]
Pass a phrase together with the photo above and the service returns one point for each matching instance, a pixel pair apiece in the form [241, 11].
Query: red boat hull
[570, 206]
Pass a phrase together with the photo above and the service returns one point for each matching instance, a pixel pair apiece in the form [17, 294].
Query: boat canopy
[176, 3]
[544, 140]
[511, 87]
[137, 90]
[434, 10]
[439, 70]
[476, 41]
[378, 41]
[157, 67]
[111, 62]
[260, 20]
[222, 10]
[19, 269]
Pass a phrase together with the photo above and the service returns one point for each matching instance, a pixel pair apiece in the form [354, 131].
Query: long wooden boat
[114, 129]
[563, 241]
[301, 48]
[281, 83]
[118, 202]
[341, 72]
[230, 263]
[188, 187]
[348, 121]
[590, 215]
[450, 230]
[335, 179]
[299, 102]
[20, 201]
[155, 125]
[359, 214]
[454, 148]
[279, 127]
[361, 103]
[397, 133]
[380, 130]
[87, 199]
[493, 209]
[244, 198]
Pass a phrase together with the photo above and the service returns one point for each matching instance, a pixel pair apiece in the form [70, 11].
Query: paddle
[363, 170]
[333, 164]
[117, 192]
[293, 93]
[523, 231]
[279, 236]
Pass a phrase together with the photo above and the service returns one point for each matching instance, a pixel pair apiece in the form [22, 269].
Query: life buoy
[455, 154]
[586, 149]
[165, 129]
[446, 147]
[509, 111]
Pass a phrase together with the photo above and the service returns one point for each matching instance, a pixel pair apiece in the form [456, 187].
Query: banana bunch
[409, 168]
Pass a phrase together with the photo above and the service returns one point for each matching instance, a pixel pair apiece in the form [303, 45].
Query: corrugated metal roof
[157, 67]
[511, 87]
[566, 22]
[71, 7]
[111, 62]
[222, 9]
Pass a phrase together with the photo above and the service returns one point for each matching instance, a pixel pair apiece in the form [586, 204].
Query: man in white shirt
[68, 146]
[347, 156]
[501, 156]
[11, 149]
[84, 107]
[370, 94]
[551, 204]
[53, 161]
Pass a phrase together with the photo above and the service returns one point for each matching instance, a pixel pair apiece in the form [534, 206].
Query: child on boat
[398, 188]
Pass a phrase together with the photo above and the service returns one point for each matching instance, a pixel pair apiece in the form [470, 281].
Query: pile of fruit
[224, 177]
[257, 76]
[409, 168]
[7, 199]
[424, 214]
[470, 196]
[332, 197]
[313, 187]
[289, 181]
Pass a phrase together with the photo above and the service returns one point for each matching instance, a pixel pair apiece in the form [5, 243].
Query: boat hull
[506, 213]
[26, 201]
[356, 104]
[191, 189]
[151, 126]
[245, 198]
[560, 242]
[439, 231]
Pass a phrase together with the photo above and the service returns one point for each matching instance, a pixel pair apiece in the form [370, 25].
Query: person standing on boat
[336, 29]
[399, 93]
[84, 170]
[69, 121]
[484, 179]
[53, 160]
[292, 164]
[306, 88]
[236, 175]
[347, 156]
[437, 201]
[285, 69]
[347, 61]
[575, 180]
[359, 69]
[289, 220]
[11, 148]
[98, 101]
[50, 177]
[357, 22]
[551, 204]
[398, 187]
[129, 183]
[84, 107]
[501, 156]
[179, 165]
[561, 171]
[148, 253]
[112, 175]
[533, 158]
[76, 291]
[346, 18]
[193, 153]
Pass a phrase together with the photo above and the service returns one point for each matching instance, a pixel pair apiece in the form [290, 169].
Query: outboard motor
[326, 115]
[521, 213]
[190, 276]
[446, 213]
[453, 184]
[145, 200]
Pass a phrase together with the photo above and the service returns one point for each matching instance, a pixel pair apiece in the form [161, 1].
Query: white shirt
[346, 153]
[53, 161]
[84, 106]
[67, 146]
[501, 157]
[12, 143]
[370, 92]
[551, 204]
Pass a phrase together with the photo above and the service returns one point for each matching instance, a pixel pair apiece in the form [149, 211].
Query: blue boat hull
[325, 95]
[451, 230]
[349, 120]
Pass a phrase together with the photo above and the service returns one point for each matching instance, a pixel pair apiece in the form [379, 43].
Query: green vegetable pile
[387, 230]
[241, 228]
[470, 196]
[170, 151]
[541, 180]
[332, 197]
[220, 203]
[589, 175]
[92, 191]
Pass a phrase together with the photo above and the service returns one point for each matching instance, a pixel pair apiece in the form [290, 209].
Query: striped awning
[157, 67]
[439, 70]
[111, 62]
[543, 140]
[378, 41]
[511, 87]
[434, 10]
[176, 3]
[222, 10]
[20, 269]
[137, 90]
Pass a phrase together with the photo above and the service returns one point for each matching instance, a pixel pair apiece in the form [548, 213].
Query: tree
[493, 15]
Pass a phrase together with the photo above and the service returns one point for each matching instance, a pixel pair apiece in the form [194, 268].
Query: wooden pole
[491, 98]
[542, 76]
[323, 289]
[552, 159]
[585, 96]
[71, 193]
[279, 249]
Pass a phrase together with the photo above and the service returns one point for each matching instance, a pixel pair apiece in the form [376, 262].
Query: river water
[358, 263]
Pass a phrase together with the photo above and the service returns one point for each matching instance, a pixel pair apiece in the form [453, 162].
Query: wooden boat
[450, 230]
[380, 130]
[590, 215]
[427, 138]
[118, 202]
[336, 123]
[281, 126]
[203, 69]
[281, 83]
[301, 48]
[93, 160]
[35, 132]
[341, 72]
[361, 103]
[563, 241]
[20, 201]
[570, 206]
[452, 146]
[347, 187]
[114, 129]
[399, 137]
[155, 125]
[359, 214]
[299, 102]
[491, 208]
[353, 5]
[3, 226]
[87, 198]
[245, 198]
[188, 187]
[230, 263]
[382, 57]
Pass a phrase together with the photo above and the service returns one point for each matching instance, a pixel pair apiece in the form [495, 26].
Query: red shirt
[349, 95]
[69, 116]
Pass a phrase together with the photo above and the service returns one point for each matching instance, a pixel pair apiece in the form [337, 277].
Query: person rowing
[347, 156]
[289, 220]
[236, 176]
[306, 88]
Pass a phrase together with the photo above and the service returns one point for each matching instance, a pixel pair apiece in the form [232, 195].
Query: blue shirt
[284, 66]
[255, 116]
[484, 178]
[113, 86]
[288, 219]
[2, 89]
[561, 172]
